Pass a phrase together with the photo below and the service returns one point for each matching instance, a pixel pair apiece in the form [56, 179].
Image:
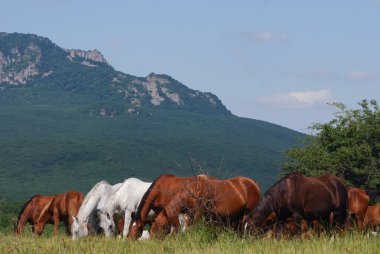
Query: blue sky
[278, 61]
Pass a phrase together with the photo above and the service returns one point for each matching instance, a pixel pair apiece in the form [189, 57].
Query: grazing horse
[303, 198]
[30, 211]
[94, 202]
[62, 207]
[123, 202]
[158, 195]
[221, 201]
[372, 217]
[358, 201]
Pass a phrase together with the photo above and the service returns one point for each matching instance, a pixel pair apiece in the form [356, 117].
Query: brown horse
[62, 207]
[221, 201]
[303, 198]
[372, 217]
[159, 194]
[358, 201]
[30, 211]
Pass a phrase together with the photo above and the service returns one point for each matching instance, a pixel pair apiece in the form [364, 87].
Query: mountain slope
[69, 120]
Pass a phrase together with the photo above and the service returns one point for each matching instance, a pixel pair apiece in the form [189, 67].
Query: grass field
[198, 239]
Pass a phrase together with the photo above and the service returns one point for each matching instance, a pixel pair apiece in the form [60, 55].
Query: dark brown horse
[372, 217]
[358, 201]
[303, 198]
[62, 207]
[31, 211]
[221, 201]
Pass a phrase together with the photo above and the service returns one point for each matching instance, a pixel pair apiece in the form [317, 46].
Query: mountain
[69, 119]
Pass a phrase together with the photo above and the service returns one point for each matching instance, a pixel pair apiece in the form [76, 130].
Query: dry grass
[199, 239]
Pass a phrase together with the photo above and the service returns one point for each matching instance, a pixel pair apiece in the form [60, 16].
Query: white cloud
[305, 99]
[359, 75]
[265, 36]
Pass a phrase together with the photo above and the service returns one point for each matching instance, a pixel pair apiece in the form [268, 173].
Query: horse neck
[90, 203]
[267, 205]
[24, 217]
[145, 205]
[112, 204]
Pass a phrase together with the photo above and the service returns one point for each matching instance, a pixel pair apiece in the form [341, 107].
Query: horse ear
[74, 218]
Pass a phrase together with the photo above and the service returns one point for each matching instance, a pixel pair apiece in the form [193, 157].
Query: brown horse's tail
[342, 210]
[43, 214]
[23, 217]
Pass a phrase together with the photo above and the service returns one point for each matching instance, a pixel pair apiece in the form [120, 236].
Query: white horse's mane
[91, 200]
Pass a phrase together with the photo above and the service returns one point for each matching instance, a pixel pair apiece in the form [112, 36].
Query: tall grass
[199, 239]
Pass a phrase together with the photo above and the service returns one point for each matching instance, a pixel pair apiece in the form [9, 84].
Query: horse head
[78, 229]
[107, 223]
[135, 229]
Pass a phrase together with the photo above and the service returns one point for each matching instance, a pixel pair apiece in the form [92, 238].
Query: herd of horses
[291, 206]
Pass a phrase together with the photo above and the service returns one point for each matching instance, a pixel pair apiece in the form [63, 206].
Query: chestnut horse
[358, 201]
[372, 217]
[303, 198]
[158, 195]
[62, 207]
[30, 211]
[225, 201]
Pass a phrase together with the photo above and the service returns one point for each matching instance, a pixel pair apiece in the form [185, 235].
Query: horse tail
[22, 217]
[44, 211]
[342, 196]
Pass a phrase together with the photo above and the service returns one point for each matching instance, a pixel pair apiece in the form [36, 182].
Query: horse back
[372, 216]
[247, 188]
[339, 190]
[73, 201]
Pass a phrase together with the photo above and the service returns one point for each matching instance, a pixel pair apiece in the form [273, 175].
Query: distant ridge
[69, 119]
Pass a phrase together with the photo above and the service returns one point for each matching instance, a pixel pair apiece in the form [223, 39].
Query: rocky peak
[17, 66]
[89, 57]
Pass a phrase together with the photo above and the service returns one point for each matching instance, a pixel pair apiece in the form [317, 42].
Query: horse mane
[142, 202]
[24, 207]
[271, 200]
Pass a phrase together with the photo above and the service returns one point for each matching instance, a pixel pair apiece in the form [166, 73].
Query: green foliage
[347, 146]
[8, 214]
[49, 149]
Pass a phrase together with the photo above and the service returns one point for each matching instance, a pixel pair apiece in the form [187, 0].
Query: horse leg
[56, 222]
[360, 220]
[297, 223]
[127, 221]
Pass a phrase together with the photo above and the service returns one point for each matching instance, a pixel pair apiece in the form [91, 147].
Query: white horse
[125, 201]
[94, 202]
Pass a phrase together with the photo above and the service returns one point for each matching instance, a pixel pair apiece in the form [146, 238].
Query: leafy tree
[347, 146]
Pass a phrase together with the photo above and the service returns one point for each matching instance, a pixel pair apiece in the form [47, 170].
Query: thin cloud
[305, 99]
[359, 75]
[116, 44]
[264, 37]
